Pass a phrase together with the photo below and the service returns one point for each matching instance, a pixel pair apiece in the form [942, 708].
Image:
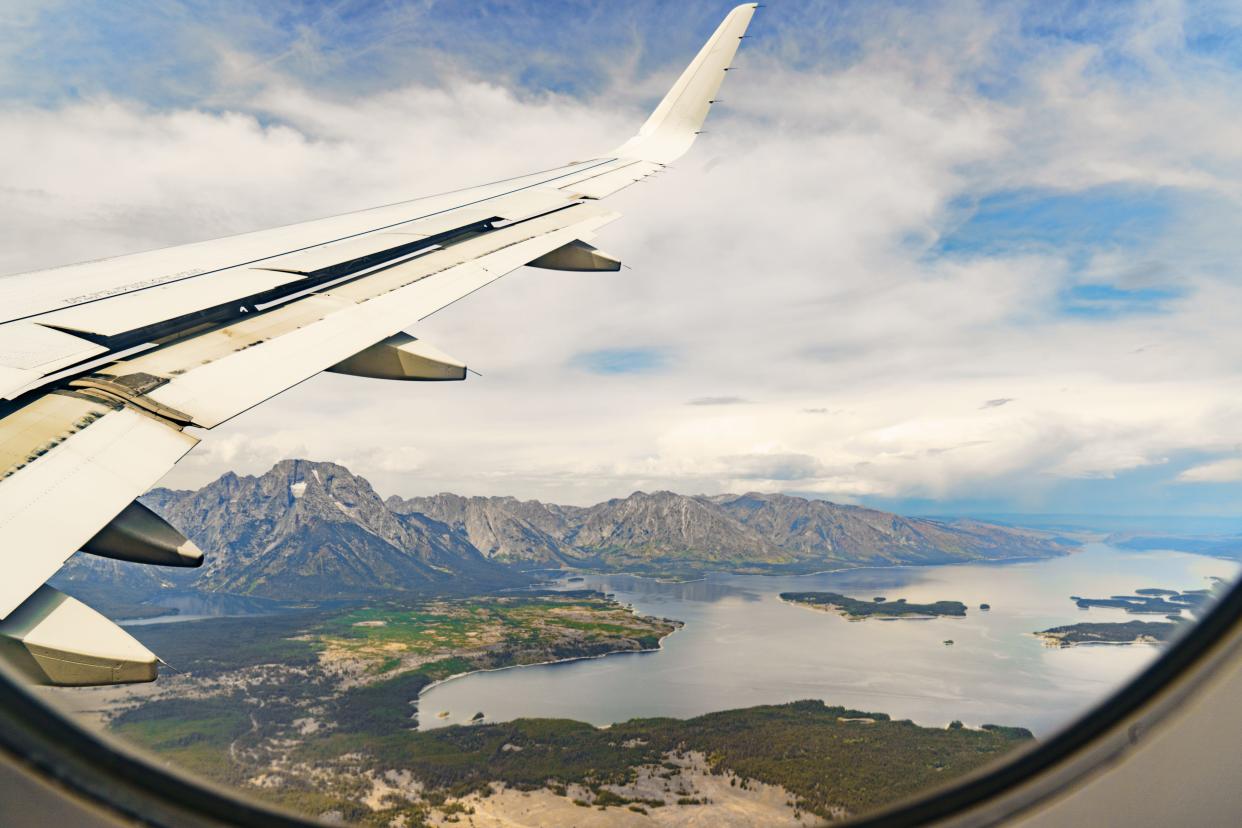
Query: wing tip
[671, 129]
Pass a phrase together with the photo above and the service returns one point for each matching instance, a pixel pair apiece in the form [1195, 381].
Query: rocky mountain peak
[669, 524]
[314, 529]
[503, 528]
[308, 529]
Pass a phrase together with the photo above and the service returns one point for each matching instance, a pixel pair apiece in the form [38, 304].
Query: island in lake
[856, 610]
[1150, 601]
[1127, 632]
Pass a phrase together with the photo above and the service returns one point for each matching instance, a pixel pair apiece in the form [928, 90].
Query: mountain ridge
[307, 530]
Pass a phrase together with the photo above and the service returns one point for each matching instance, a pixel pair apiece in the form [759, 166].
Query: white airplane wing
[104, 364]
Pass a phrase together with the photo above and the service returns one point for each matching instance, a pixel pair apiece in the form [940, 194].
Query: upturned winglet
[675, 123]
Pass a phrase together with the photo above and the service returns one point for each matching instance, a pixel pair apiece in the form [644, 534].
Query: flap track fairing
[53, 639]
[402, 357]
[139, 535]
[580, 257]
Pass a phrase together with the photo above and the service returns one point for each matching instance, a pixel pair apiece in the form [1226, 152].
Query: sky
[937, 257]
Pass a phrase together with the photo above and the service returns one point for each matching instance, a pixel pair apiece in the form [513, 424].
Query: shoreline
[681, 625]
[724, 573]
[982, 561]
[573, 572]
[1053, 642]
[569, 660]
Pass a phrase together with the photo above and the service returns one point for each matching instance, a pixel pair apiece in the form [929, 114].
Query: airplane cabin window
[929, 510]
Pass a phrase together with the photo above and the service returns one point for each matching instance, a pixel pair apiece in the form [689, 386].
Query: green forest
[857, 609]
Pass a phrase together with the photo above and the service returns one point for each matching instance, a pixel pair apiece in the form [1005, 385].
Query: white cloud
[1219, 471]
[784, 263]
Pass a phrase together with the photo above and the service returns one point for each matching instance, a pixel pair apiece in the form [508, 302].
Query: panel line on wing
[11, 281]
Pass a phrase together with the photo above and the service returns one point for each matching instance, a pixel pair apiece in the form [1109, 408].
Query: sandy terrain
[93, 707]
[725, 802]
[400, 784]
[726, 805]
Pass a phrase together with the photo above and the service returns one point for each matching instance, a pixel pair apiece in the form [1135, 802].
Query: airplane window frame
[102, 771]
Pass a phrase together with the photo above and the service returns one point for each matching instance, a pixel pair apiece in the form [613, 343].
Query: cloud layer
[960, 257]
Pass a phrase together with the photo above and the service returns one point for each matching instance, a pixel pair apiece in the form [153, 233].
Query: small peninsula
[429, 641]
[1127, 632]
[856, 610]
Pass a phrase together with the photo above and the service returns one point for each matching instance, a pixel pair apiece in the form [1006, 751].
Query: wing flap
[342, 321]
[70, 465]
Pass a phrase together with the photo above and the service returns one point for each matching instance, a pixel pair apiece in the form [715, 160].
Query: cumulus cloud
[808, 256]
[1228, 470]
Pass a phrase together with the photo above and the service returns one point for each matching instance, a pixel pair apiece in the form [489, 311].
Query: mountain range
[315, 531]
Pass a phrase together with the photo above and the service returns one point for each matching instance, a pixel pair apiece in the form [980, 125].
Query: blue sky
[901, 211]
[622, 361]
[1076, 225]
[1005, 221]
[1130, 493]
[165, 52]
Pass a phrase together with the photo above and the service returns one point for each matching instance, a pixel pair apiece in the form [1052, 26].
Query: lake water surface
[192, 606]
[742, 646]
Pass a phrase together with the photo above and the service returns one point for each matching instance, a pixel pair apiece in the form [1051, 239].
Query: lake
[193, 606]
[743, 646]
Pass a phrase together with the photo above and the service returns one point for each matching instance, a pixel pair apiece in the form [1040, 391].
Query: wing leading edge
[104, 365]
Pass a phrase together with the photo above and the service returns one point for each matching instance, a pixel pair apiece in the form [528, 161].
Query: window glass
[909, 438]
